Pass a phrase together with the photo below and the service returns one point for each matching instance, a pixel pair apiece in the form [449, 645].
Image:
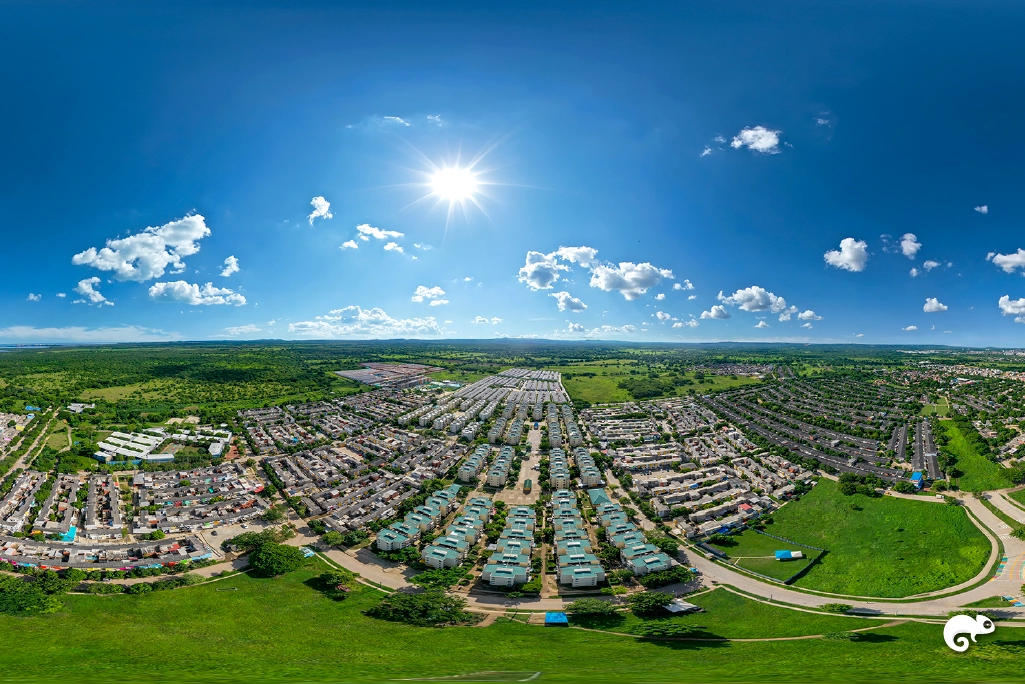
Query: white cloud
[32, 297]
[663, 316]
[859, 334]
[467, 279]
[719, 139]
[367, 231]
[541, 270]
[933, 305]
[660, 296]
[321, 209]
[126, 333]
[762, 324]
[910, 328]
[568, 302]
[685, 285]
[1012, 307]
[757, 139]
[705, 152]
[495, 320]
[909, 245]
[62, 295]
[692, 297]
[243, 329]
[852, 255]
[819, 121]
[754, 298]
[394, 247]
[807, 325]
[230, 266]
[147, 254]
[398, 120]
[585, 256]
[930, 265]
[439, 302]
[423, 292]
[1008, 262]
[574, 327]
[947, 332]
[982, 209]
[485, 320]
[349, 244]
[418, 245]
[613, 330]
[629, 279]
[354, 321]
[87, 288]
[787, 313]
[194, 295]
[809, 315]
[914, 272]
[717, 312]
[692, 323]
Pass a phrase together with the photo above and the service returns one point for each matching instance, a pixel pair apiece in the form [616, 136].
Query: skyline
[696, 174]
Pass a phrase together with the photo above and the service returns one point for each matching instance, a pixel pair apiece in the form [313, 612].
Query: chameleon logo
[965, 624]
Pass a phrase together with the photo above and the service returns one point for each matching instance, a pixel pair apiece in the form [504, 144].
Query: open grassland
[598, 382]
[460, 376]
[884, 546]
[58, 438]
[276, 630]
[980, 473]
[756, 552]
[1018, 495]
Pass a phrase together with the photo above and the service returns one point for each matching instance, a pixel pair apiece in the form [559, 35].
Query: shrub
[429, 609]
[591, 606]
[835, 607]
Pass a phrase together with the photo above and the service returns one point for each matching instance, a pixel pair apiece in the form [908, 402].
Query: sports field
[275, 630]
[883, 546]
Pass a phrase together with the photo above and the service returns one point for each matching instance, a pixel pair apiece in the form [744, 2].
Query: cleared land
[980, 473]
[283, 630]
[756, 552]
[884, 546]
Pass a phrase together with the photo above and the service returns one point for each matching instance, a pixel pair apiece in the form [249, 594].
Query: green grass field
[941, 408]
[1018, 496]
[980, 473]
[756, 552]
[282, 630]
[463, 377]
[604, 386]
[884, 546]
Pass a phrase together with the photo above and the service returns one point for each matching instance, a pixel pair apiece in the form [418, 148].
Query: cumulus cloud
[787, 313]
[930, 265]
[32, 297]
[439, 302]
[422, 292]
[1008, 262]
[686, 324]
[394, 247]
[910, 328]
[914, 272]
[321, 209]
[485, 320]
[367, 231]
[660, 296]
[147, 254]
[585, 256]
[354, 321]
[807, 325]
[933, 305]
[194, 295]
[685, 285]
[230, 266]
[568, 302]
[758, 139]
[574, 327]
[629, 279]
[716, 312]
[909, 245]
[663, 316]
[852, 255]
[705, 152]
[90, 295]
[541, 270]
[243, 329]
[692, 297]
[62, 295]
[808, 315]
[754, 298]
[762, 324]
[613, 330]
[349, 244]
[1012, 307]
[982, 209]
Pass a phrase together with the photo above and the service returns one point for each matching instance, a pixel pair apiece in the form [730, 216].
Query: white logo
[965, 624]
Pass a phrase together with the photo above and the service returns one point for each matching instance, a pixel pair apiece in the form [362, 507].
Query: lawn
[883, 546]
[980, 473]
[282, 630]
[1018, 495]
[756, 552]
[58, 439]
[460, 376]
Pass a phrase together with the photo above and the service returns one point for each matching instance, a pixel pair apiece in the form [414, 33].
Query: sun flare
[454, 184]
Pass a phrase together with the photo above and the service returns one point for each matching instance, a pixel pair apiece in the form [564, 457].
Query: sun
[454, 184]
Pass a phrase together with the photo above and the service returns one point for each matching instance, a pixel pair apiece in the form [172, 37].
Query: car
[213, 533]
[245, 526]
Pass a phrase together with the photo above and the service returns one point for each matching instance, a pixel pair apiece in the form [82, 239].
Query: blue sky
[653, 172]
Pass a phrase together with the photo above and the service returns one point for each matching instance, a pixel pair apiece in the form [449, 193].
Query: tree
[903, 487]
[274, 559]
[157, 535]
[591, 606]
[649, 602]
[429, 609]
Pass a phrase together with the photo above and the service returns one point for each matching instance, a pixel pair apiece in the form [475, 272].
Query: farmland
[885, 547]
